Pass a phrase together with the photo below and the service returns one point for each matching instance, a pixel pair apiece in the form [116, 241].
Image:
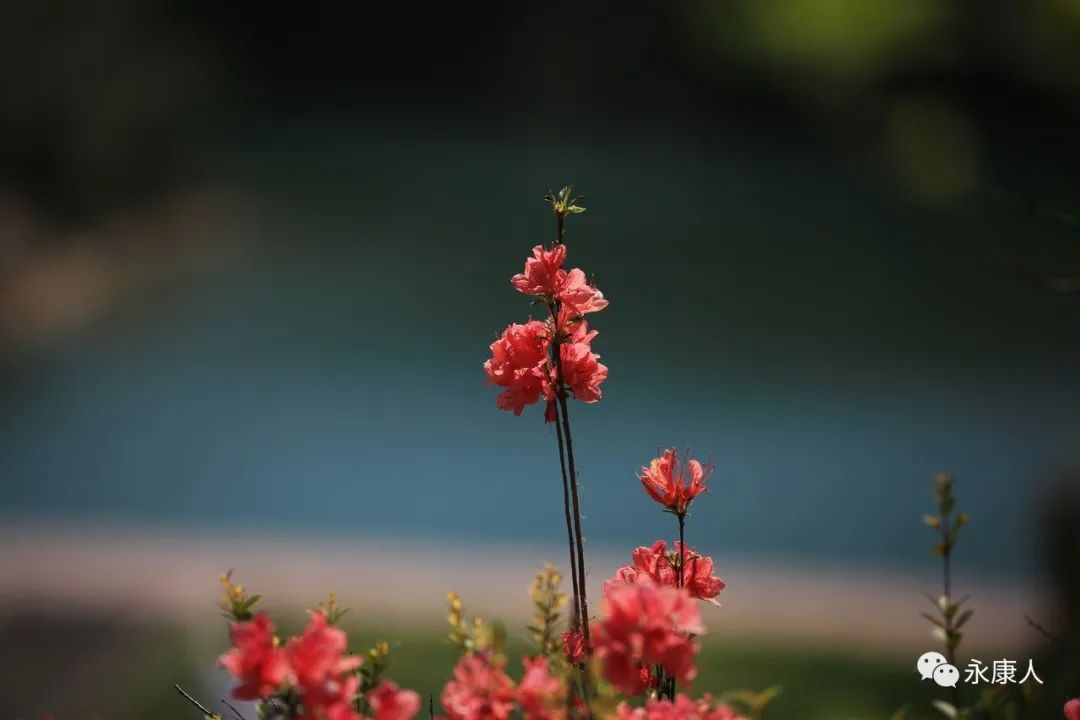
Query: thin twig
[193, 701]
[578, 614]
[681, 555]
[236, 712]
[561, 392]
[947, 578]
[1044, 632]
[569, 470]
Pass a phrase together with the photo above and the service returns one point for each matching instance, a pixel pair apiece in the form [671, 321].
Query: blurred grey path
[154, 577]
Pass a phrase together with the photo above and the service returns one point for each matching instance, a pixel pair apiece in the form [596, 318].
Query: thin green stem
[569, 469]
[681, 554]
[578, 614]
[236, 712]
[575, 500]
[193, 701]
[946, 565]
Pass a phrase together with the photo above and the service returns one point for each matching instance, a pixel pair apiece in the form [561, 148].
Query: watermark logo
[946, 675]
[934, 666]
[928, 663]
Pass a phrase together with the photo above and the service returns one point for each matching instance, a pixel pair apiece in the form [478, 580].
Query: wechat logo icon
[928, 663]
[933, 666]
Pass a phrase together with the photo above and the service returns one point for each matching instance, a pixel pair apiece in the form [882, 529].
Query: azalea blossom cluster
[311, 677]
[657, 564]
[481, 690]
[645, 632]
[672, 485]
[644, 641]
[553, 359]
[538, 358]
[645, 625]
[681, 708]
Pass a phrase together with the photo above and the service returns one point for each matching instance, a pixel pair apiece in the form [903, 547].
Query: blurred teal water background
[831, 347]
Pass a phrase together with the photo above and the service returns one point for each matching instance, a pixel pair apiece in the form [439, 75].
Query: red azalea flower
[570, 325]
[255, 659]
[682, 708]
[659, 565]
[1072, 709]
[646, 624]
[576, 292]
[543, 271]
[542, 696]
[544, 276]
[478, 691]
[581, 371]
[519, 363]
[640, 680]
[666, 481]
[647, 680]
[318, 662]
[574, 646]
[390, 703]
[335, 700]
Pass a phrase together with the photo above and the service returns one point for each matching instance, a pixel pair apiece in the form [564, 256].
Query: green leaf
[900, 714]
[934, 620]
[964, 617]
[946, 709]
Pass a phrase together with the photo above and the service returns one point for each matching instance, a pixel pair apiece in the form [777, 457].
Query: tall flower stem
[564, 418]
[571, 500]
[572, 541]
[947, 617]
[680, 578]
[562, 204]
[681, 554]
